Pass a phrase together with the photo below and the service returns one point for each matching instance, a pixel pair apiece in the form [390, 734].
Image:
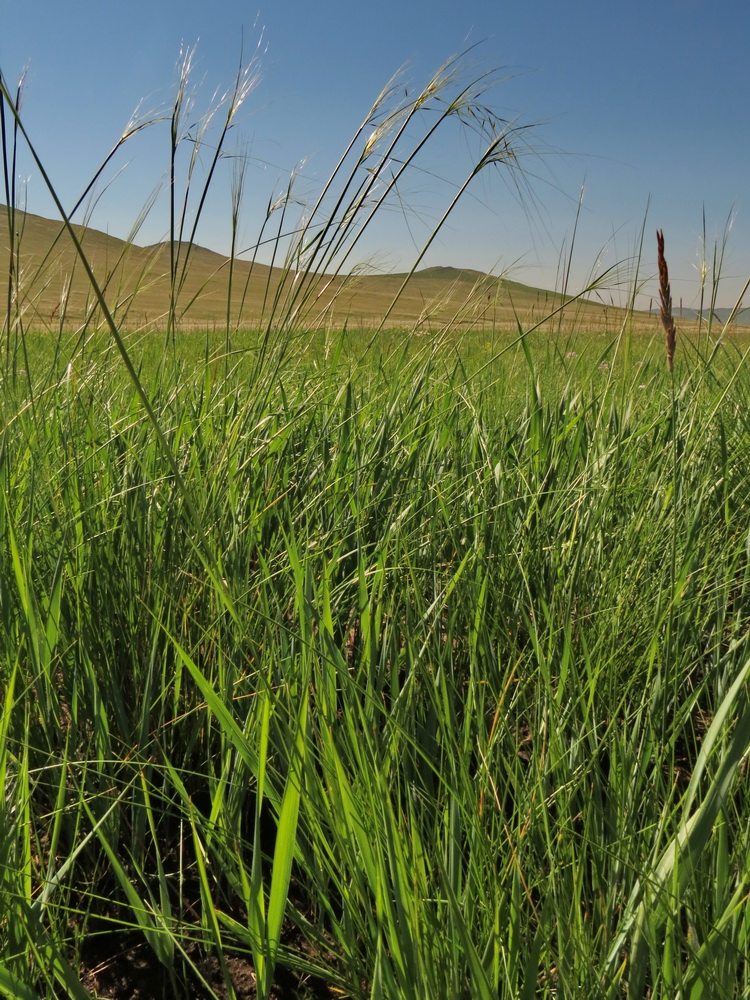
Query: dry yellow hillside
[52, 286]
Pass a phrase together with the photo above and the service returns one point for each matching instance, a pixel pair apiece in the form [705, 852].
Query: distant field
[53, 288]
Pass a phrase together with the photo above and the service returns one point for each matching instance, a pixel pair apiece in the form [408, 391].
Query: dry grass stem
[665, 300]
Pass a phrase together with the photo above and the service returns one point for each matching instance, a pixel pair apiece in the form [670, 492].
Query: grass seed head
[665, 300]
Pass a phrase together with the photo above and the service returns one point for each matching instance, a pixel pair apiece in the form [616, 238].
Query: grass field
[358, 663]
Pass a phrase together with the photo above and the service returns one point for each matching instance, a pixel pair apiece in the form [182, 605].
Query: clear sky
[643, 103]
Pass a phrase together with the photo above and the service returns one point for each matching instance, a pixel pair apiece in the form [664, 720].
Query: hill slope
[53, 287]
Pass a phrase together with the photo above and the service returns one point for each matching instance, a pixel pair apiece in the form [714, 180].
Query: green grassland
[365, 655]
[449, 672]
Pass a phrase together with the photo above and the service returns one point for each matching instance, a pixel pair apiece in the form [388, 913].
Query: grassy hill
[53, 289]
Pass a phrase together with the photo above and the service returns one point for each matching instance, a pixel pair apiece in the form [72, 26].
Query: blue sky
[645, 104]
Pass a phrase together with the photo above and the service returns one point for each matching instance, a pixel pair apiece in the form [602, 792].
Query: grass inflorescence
[351, 665]
[665, 301]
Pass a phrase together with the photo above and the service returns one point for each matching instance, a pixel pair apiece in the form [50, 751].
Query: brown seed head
[665, 300]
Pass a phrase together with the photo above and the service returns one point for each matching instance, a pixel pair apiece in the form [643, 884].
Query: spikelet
[665, 300]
